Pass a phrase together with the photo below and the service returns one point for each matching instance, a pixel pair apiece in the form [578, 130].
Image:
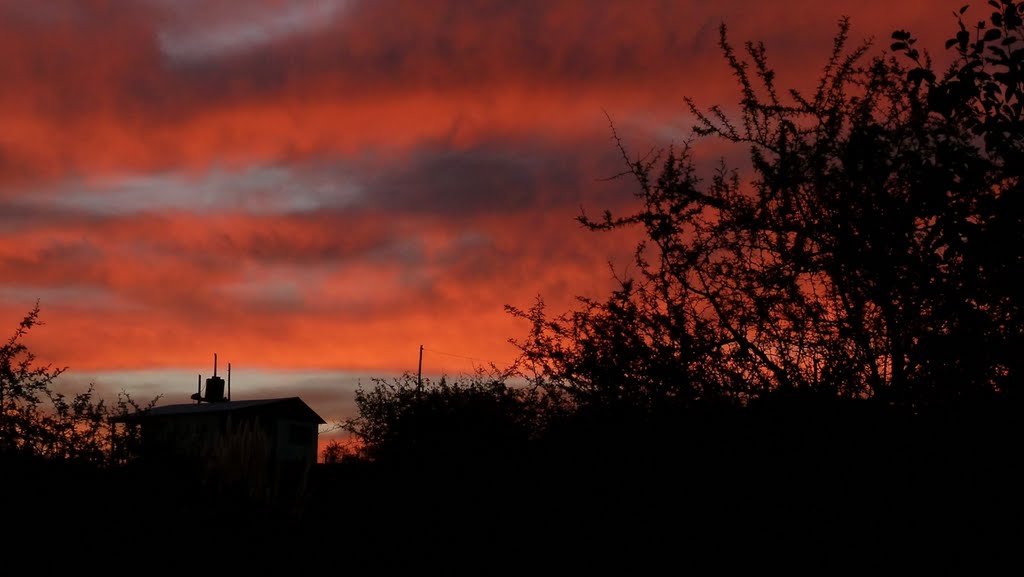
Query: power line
[460, 356]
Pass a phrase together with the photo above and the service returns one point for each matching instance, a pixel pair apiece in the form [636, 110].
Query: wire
[460, 356]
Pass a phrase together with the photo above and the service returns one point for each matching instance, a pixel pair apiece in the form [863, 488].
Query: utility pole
[419, 373]
[419, 400]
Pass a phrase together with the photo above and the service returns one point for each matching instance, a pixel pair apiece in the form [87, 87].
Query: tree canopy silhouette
[461, 423]
[38, 421]
[870, 253]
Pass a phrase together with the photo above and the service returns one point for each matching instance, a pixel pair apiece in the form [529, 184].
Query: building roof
[292, 406]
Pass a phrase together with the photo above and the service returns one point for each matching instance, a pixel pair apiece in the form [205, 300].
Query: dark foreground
[821, 494]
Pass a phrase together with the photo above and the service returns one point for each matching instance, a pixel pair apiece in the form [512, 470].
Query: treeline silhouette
[816, 365]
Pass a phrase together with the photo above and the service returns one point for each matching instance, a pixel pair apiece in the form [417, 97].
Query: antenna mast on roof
[214, 386]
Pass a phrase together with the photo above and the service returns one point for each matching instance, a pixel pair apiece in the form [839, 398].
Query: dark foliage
[37, 421]
[464, 423]
[872, 254]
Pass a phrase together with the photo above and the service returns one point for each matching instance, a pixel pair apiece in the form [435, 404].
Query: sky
[313, 190]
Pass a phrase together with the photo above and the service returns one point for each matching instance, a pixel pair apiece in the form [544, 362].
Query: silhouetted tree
[23, 386]
[980, 94]
[444, 423]
[871, 254]
[39, 422]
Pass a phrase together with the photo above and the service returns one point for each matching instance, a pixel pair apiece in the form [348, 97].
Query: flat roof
[295, 403]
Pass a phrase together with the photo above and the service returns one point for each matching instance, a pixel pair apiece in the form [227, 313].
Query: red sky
[312, 190]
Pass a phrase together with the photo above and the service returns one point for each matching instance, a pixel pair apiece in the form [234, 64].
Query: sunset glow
[313, 190]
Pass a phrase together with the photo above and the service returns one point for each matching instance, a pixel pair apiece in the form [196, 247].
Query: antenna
[215, 364]
[198, 396]
[229, 381]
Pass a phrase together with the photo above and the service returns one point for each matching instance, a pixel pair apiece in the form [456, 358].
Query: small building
[287, 427]
[258, 445]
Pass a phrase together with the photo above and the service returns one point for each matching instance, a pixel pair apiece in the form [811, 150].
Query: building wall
[183, 436]
[296, 441]
[290, 441]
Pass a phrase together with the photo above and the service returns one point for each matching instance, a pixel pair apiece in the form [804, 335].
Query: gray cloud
[489, 178]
